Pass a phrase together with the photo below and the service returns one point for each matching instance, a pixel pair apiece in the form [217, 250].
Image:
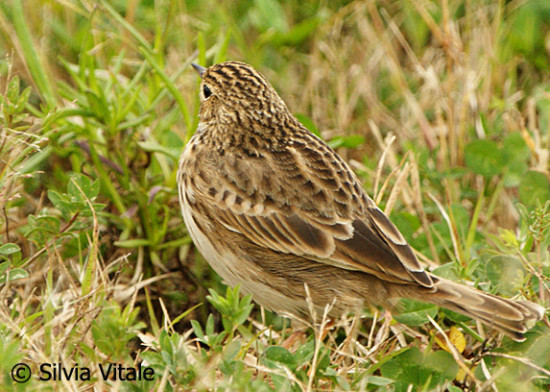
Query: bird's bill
[199, 69]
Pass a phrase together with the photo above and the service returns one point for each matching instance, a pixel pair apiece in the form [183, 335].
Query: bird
[274, 209]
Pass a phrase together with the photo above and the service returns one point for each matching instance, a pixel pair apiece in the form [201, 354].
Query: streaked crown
[234, 93]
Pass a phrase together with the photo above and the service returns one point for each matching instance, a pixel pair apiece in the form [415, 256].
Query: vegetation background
[441, 106]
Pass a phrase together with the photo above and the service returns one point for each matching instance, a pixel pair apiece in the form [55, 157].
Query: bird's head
[235, 94]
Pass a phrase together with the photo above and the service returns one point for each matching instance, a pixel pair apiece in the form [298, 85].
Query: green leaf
[210, 325]
[10, 354]
[534, 189]
[151, 357]
[415, 313]
[9, 249]
[505, 272]
[296, 35]
[14, 274]
[34, 161]
[305, 352]
[97, 105]
[454, 316]
[4, 266]
[414, 25]
[41, 229]
[483, 157]
[32, 59]
[7, 275]
[528, 26]
[112, 330]
[197, 329]
[133, 243]
[447, 270]
[232, 350]
[60, 202]
[424, 371]
[514, 174]
[452, 388]
[403, 367]
[539, 351]
[22, 100]
[308, 123]
[516, 154]
[406, 222]
[281, 383]
[514, 148]
[151, 146]
[89, 188]
[13, 89]
[269, 14]
[378, 381]
[275, 356]
[443, 363]
[324, 361]
[351, 141]
[230, 368]
[170, 86]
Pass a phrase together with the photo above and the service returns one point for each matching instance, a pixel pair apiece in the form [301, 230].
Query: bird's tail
[512, 317]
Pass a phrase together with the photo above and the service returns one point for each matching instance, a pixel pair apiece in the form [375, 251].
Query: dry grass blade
[456, 355]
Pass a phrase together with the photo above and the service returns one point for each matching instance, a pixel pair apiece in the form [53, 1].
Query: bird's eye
[206, 91]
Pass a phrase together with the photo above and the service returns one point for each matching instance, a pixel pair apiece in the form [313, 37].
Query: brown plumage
[273, 208]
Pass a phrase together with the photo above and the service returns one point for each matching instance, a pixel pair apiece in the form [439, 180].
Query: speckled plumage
[273, 208]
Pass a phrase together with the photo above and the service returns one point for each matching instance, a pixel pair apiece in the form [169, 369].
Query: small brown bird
[273, 208]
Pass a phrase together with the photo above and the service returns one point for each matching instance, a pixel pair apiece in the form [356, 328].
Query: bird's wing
[304, 199]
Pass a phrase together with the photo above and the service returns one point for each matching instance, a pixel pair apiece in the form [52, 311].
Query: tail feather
[512, 317]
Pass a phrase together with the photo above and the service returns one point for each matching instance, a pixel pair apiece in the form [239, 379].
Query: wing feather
[306, 200]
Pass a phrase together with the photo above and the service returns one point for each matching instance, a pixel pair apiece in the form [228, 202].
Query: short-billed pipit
[273, 208]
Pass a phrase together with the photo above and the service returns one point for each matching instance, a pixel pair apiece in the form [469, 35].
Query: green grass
[443, 109]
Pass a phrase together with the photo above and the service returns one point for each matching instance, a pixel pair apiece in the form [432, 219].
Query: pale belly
[228, 266]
